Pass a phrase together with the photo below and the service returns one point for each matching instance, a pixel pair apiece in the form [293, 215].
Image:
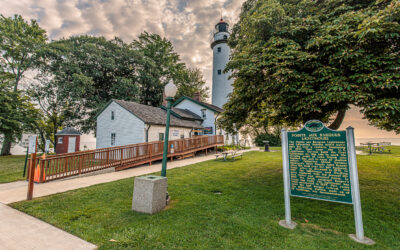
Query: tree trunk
[338, 120]
[6, 149]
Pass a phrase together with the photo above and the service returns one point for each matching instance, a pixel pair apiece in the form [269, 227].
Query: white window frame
[60, 140]
[203, 114]
[113, 139]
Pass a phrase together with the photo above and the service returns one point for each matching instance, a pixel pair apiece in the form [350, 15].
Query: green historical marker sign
[318, 163]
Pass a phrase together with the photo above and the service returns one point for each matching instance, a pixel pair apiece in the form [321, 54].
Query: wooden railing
[65, 165]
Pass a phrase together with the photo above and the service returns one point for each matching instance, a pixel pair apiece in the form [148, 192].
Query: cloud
[188, 24]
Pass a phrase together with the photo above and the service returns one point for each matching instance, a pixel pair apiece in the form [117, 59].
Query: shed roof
[68, 131]
[156, 115]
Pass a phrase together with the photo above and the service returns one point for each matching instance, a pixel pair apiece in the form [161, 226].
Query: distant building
[67, 141]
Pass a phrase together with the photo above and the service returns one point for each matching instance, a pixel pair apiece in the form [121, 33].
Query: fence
[121, 157]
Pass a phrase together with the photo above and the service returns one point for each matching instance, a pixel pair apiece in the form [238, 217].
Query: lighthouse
[221, 85]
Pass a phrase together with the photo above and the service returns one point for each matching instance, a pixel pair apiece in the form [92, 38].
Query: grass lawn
[230, 205]
[11, 168]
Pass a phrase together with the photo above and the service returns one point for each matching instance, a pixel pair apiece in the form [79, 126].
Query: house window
[112, 115]
[219, 49]
[112, 139]
[161, 136]
[203, 114]
[219, 72]
[60, 140]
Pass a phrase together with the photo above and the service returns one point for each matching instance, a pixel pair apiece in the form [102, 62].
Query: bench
[218, 156]
[237, 154]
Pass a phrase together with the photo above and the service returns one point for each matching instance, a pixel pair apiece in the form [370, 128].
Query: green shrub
[274, 140]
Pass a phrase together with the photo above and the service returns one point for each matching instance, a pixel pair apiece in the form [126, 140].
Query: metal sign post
[355, 187]
[320, 163]
[288, 223]
[31, 176]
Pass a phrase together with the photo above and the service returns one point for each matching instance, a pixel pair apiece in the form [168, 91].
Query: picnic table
[232, 153]
[375, 146]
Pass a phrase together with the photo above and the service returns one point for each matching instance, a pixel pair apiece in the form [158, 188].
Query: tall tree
[17, 114]
[54, 108]
[160, 63]
[19, 42]
[86, 72]
[312, 59]
[189, 82]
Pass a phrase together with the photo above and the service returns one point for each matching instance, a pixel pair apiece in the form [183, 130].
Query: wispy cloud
[188, 24]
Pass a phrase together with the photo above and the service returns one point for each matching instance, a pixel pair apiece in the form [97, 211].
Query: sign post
[320, 163]
[47, 146]
[32, 150]
[288, 223]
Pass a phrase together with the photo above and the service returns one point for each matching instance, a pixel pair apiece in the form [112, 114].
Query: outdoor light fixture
[170, 91]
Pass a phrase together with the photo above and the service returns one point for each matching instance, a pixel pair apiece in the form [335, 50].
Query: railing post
[108, 151]
[41, 162]
[81, 158]
[122, 156]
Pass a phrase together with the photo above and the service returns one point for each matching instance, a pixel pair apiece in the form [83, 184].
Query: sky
[187, 24]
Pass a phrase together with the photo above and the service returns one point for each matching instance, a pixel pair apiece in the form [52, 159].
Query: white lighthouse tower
[221, 85]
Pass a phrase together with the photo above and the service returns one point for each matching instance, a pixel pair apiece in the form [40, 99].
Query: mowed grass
[11, 168]
[231, 205]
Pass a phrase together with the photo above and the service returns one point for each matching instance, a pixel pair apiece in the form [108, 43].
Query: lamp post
[170, 91]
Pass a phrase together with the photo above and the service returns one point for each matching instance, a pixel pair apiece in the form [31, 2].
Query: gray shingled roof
[68, 131]
[204, 104]
[155, 115]
[187, 114]
[212, 106]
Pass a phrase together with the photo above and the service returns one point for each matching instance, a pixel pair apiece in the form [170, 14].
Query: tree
[189, 82]
[54, 109]
[312, 59]
[19, 43]
[85, 73]
[17, 114]
[160, 63]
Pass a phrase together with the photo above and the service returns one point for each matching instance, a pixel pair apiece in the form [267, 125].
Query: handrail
[69, 164]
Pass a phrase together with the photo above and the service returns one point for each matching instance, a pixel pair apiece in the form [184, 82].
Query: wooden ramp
[65, 165]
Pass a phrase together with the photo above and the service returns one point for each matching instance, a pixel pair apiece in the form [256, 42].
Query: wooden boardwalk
[65, 165]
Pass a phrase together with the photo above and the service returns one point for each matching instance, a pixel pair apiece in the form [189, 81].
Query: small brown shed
[67, 141]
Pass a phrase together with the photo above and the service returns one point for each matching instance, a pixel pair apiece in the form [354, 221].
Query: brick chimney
[197, 96]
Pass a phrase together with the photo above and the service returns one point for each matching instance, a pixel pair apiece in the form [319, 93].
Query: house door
[71, 144]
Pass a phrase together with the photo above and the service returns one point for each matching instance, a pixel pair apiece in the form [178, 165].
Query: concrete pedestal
[288, 226]
[149, 194]
[366, 241]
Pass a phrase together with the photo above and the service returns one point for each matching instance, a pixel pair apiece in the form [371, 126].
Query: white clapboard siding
[128, 128]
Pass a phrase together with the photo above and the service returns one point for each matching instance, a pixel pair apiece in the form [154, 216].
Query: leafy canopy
[311, 59]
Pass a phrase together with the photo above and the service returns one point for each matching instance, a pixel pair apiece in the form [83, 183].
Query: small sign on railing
[32, 144]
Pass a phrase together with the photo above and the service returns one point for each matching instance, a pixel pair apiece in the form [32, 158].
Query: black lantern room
[222, 26]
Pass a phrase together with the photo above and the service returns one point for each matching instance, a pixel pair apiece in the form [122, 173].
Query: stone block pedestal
[149, 194]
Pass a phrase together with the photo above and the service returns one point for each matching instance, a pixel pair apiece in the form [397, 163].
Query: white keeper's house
[122, 123]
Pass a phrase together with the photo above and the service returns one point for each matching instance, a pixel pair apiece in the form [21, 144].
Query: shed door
[71, 144]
